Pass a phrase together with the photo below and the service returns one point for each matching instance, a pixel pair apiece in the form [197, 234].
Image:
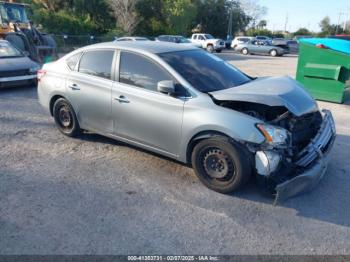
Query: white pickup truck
[208, 42]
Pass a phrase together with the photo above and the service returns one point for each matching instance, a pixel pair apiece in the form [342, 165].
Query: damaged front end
[298, 137]
[294, 156]
[296, 166]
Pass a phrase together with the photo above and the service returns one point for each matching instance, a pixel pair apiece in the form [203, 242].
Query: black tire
[65, 118]
[221, 164]
[16, 41]
[24, 42]
[218, 51]
[50, 41]
[210, 48]
[274, 53]
[245, 51]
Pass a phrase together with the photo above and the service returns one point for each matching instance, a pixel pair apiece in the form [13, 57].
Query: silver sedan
[189, 105]
[260, 48]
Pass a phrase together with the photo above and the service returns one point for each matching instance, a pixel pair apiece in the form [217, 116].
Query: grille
[320, 144]
[303, 129]
[14, 73]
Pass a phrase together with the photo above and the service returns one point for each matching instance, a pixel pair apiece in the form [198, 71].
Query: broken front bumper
[312, 161]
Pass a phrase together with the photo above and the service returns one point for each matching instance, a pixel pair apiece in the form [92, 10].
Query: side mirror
[166, 87]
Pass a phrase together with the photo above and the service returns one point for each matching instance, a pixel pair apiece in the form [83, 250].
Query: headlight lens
[34, 69]
[273, 134]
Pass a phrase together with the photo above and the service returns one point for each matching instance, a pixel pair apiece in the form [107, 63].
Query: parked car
[208, 42]
[228, 42]
[259, 47]
[263, 38]
[131, 38]
[178, 39]
[293, 46]
[184, 103]
[241, 40]
[16, 69]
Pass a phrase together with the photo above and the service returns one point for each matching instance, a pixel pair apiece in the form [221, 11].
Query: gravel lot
[93, 195]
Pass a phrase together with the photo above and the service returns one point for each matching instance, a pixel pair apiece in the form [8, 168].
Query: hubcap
[65, 116]
[217, 164]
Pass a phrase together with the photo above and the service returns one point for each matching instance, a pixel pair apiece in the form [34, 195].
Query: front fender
[200, 119]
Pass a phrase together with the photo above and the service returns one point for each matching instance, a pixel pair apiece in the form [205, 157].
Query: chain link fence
[68, 43]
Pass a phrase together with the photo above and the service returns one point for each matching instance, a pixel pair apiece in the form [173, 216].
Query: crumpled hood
[271, 91]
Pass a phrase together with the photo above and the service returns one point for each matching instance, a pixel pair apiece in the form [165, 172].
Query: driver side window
[136, 70]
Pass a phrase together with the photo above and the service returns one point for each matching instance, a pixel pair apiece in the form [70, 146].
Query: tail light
[41, 73]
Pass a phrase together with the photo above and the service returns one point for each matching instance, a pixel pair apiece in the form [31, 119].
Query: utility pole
[338, 24]
[229, 29]
[286, 23]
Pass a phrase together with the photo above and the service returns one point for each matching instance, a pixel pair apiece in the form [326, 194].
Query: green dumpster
[324, 68]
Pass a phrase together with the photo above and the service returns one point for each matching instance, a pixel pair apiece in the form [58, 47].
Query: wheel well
[210, 45]
[196, 139]
[52, 102]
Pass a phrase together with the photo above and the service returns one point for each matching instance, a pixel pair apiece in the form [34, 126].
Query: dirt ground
[93, 195]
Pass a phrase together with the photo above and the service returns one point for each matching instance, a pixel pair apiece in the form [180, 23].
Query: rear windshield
[204, 71]
[7, 50]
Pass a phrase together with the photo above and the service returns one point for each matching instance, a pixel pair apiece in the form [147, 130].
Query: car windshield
[204, 71]
[6, 50]
[207, 36]
[13, 12]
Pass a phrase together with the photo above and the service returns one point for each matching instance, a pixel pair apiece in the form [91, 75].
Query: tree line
[144, 17]
[156, 17]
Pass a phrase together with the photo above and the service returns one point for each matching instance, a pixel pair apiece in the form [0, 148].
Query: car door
[253, 47]
[89, 89]
[265, 47]
[141, 113]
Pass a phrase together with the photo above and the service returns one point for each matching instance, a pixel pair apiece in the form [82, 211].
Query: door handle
[74, 87]
[122, 99]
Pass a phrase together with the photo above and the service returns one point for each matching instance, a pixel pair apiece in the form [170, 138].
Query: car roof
[172, 35]
[132, 37]
[146, 46]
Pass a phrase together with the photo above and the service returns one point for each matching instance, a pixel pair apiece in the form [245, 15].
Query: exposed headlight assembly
[273, 135]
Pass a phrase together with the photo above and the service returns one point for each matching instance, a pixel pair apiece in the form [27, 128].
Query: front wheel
[273, 52]
[221, 164]
[65, 118]
[245, 51]
[210, 49]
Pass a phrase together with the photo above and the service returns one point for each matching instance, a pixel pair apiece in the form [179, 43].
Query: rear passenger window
[97, 63]
[73, 60]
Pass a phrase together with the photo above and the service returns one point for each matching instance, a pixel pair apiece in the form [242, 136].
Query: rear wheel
[65, 118]
[220, 164]
[245, 51]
